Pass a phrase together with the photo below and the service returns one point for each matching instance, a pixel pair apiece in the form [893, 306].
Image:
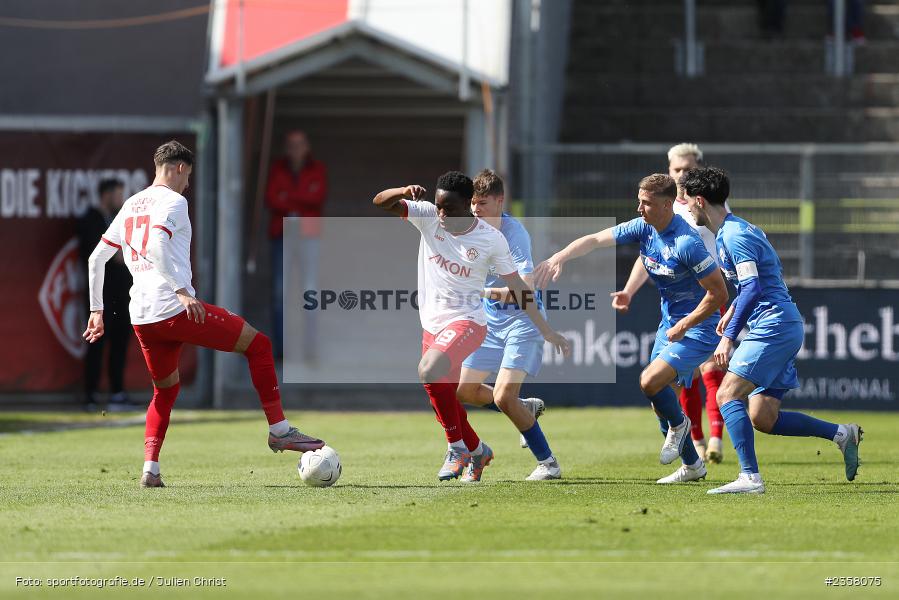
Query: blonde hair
[685, 150]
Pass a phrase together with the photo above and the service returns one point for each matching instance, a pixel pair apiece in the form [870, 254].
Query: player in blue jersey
[692, 292]
[762, 369]
[513, 348]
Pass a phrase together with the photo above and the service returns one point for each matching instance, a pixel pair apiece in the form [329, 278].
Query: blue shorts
[684, 356]
[767, 356]
[519, 352]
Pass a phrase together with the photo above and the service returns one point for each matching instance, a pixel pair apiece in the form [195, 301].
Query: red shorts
[161, 341]
[457, 340]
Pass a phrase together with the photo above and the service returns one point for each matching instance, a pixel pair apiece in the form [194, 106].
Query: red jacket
[296, 195]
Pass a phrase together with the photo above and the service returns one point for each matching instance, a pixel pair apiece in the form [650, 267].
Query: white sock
[547, 461]
[151, 466]
[697, 464]
[458, 445]
[842, 435]
[280, 428]
[479, 450]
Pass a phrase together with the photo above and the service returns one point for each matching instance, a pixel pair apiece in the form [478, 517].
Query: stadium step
[720, 21]
[732, 124]
[766, 90]
[746, 57]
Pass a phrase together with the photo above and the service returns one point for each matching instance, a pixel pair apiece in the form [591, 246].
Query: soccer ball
[320, 468]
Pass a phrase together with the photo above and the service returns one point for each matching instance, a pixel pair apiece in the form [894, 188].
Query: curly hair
[458, 182]
[711, 183]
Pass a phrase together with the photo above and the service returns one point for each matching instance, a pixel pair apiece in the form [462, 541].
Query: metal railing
[839, 56]
[831, 210]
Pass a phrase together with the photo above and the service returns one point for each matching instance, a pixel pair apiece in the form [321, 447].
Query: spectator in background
[855, 10]
[116, 287]
[772, 15]
[297, 187]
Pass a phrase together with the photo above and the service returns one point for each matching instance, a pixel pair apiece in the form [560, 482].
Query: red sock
[158, 415]
[691, 402]
[446, 406]
[712, 381]
[471, 439]
[265, 380]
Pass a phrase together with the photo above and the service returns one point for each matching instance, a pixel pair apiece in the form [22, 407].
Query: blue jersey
[502, 317]
[745, 252]
[676, 260]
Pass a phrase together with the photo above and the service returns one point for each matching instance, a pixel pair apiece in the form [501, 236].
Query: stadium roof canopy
[268, 45]
[348, 40]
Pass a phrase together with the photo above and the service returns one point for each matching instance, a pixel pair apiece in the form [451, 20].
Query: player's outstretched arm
[96, 273]
[551, 268]
[528, 303]
[715, 297]
[392, 200]
[621, 301]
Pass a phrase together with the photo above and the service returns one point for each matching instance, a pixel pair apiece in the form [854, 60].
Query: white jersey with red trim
[452, 268]
[708, 238]
[156, 210]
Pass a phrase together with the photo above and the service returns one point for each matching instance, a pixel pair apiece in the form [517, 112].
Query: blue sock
[689, 455]
[665, 402]
[492, 406]
[537, 442]
[801, 425]
[663, 425]
[739, 427]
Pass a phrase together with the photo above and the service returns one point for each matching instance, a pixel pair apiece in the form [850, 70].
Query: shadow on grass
[17, 427]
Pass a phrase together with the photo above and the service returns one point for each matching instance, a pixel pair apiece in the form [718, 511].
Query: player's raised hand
[723, 351]
[547, 271]
[560, 342]
[95, 328]
[414, 192]
[195, 310]
[621, 301]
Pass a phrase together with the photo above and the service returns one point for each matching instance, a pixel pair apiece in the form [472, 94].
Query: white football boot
[546, 471]
[746, 483]
[674, 442]
[685, 474]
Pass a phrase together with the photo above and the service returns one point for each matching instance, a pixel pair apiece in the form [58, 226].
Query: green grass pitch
[70, 506]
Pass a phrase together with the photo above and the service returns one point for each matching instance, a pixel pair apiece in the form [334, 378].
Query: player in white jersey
[455, 255]
[153, 231]
[682, 158]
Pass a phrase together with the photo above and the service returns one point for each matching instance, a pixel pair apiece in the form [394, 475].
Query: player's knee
[725, 394]
[167, 382]
[467, 392]
[648, 384]
[259, 344]
[761, 420]
[429, 372]
[505, 398]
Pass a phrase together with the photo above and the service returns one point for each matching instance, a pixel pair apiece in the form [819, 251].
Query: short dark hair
[173, 152]
[488, 183]
[659, 184]
[458, 182]
[108, 185]
[711, 183]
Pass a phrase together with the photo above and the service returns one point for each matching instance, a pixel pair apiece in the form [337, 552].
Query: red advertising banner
[47, 181]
